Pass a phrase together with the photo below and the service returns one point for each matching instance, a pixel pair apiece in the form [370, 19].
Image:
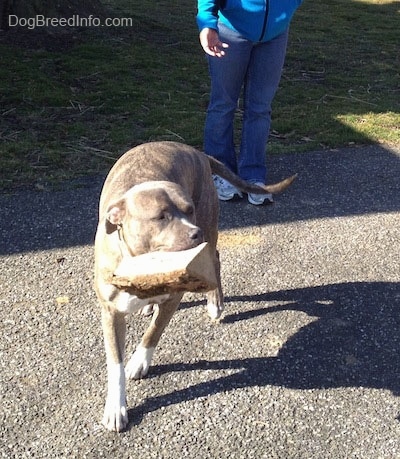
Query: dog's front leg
[139, 363]
[115, 411]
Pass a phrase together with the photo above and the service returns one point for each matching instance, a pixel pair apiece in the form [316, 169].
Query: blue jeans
[257, 67]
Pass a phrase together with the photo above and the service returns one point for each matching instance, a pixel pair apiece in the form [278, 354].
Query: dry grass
[73, 103]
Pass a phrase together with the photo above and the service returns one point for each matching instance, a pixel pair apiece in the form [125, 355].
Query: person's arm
[207, 21]
[212, 45]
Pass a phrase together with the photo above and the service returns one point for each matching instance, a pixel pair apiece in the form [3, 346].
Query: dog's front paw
[139, 364]
[115, 412]
[115, 416]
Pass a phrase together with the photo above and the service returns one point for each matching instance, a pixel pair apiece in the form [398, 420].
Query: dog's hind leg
[215, 305]
[139, 363]
[215, 300]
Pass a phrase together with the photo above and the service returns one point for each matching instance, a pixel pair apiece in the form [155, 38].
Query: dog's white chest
[127, 303]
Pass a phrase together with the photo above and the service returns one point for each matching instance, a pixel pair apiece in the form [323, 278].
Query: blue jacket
[255, 20]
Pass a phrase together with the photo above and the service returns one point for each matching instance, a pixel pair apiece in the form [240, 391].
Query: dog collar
[123, 246]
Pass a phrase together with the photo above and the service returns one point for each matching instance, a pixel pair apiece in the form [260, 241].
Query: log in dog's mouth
[178, 247]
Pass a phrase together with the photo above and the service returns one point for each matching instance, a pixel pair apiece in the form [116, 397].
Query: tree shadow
[355, 342]
[46, 220]
[354, 181]
[335, 183]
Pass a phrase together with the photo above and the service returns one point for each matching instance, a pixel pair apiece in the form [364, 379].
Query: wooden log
[157, 273]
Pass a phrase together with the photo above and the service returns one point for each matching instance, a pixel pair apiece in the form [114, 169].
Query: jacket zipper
[265, 20]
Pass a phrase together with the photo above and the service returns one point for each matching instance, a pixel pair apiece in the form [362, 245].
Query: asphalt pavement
[304, 364]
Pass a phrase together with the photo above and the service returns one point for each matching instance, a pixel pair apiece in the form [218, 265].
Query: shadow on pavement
[355, 342]
[353, 181]
[334, 183]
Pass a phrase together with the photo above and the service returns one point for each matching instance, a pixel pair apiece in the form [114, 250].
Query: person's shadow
[354, 343]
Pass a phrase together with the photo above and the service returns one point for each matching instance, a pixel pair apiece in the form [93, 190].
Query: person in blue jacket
[245, 42]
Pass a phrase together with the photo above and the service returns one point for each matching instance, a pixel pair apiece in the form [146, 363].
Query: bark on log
[158, 273]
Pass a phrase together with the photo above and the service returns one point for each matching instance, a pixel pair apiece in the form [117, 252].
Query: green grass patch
[73, 107]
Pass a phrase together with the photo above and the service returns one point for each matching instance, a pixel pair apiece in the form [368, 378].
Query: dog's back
[163, 161]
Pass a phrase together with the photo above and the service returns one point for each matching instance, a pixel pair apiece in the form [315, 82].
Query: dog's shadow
[355, 342]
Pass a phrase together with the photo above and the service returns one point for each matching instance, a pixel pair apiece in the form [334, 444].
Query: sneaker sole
[230, 198]
[267, 200]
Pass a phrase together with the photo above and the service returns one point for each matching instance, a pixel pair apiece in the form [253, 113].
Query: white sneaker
[258, 199]
[225, 190]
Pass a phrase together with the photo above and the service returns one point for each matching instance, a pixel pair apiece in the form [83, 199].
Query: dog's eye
[189, 211]
[162, 216]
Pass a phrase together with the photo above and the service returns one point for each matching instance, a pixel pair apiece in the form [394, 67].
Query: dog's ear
[115, 215]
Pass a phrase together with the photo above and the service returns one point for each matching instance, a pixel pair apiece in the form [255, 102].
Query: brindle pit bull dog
[158, 196]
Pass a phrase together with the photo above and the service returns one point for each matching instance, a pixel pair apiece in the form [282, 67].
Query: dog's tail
[220, 169]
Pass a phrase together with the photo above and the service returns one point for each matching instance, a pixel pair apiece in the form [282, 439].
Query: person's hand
[211, 43]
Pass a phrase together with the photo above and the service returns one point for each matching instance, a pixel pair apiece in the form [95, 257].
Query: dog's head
[155, 216]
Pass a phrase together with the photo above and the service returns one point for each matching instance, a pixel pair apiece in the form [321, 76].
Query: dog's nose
[196, 234]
